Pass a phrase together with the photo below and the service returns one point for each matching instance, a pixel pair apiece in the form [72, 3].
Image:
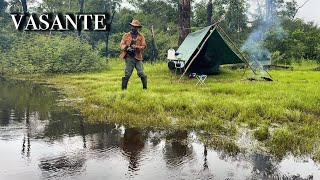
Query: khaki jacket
[140, 45]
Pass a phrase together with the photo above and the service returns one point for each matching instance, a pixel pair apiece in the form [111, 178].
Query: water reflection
[61, 166]
[57, 143]
[132, 144]
[177, 150]
[263, 165]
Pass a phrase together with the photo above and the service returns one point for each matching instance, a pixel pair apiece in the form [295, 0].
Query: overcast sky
[310, 11]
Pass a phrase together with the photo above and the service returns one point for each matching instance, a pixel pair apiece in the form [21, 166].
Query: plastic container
[171, 54]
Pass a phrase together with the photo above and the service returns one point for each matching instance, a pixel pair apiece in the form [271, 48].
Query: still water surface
[40, 138]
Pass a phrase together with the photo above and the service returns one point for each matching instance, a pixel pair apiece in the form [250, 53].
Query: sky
[310, 11]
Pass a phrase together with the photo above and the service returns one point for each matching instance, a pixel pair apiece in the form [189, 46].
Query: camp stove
[175, 60]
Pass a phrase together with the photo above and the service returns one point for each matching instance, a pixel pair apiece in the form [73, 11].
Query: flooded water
[40, 138]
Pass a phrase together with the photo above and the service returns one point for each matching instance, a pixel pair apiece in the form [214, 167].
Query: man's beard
[134, 31]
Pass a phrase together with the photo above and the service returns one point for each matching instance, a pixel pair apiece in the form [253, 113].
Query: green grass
[284, 113]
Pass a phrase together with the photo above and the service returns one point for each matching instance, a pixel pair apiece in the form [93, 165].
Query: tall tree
[112, 9]
[81, 11]
[24, 6]
[209, 13]
[70, 6]
[184, 10]
[291, 9]
[157, 13]
[199, 18]
[3, 7]
[273, 9]
[236, 18]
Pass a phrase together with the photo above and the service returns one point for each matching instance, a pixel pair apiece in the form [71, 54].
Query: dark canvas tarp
[215, 51]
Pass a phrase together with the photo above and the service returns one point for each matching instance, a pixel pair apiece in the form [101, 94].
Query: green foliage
[6, 40]
[42, 54]
[121, 20]
[296, 40]
[291, 9]
[200, 14]
[236, 17]
[277, 58]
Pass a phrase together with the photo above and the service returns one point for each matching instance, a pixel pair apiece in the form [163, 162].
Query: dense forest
[271, 27]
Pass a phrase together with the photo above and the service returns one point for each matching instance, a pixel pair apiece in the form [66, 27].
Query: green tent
[205, 50]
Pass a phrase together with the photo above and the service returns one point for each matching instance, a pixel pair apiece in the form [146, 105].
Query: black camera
[130, 51]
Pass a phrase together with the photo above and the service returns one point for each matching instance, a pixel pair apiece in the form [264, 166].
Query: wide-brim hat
[135, 23]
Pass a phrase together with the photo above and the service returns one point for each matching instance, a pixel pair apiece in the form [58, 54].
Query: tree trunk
[81, 11]
[153, 45]
[107, 36]
[184, 19]
[24, 6]
[209, 13]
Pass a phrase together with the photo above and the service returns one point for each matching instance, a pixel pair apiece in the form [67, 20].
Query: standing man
[132, 45]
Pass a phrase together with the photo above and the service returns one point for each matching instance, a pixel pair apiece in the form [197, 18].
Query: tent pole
[267, 72]
[245, 69]
[236, 48]
[194, 57]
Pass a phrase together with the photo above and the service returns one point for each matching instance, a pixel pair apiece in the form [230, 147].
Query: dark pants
[132, 63]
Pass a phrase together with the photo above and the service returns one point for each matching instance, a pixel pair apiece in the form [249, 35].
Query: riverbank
[283, 114]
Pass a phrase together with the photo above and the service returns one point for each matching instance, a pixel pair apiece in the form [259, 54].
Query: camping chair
[201, 79]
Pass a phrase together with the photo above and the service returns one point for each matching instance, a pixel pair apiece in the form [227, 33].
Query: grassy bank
[284, 114]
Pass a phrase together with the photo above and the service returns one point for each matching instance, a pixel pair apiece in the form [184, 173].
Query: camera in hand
[130, 51]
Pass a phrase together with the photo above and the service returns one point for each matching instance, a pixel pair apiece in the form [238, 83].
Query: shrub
[42, 54]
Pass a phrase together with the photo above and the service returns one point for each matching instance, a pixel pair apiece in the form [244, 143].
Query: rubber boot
[144, 82]
[124, 83]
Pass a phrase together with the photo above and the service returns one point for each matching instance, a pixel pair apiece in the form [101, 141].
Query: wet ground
[40, 138]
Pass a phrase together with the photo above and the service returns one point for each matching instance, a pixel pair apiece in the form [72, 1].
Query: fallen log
[277, 67]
